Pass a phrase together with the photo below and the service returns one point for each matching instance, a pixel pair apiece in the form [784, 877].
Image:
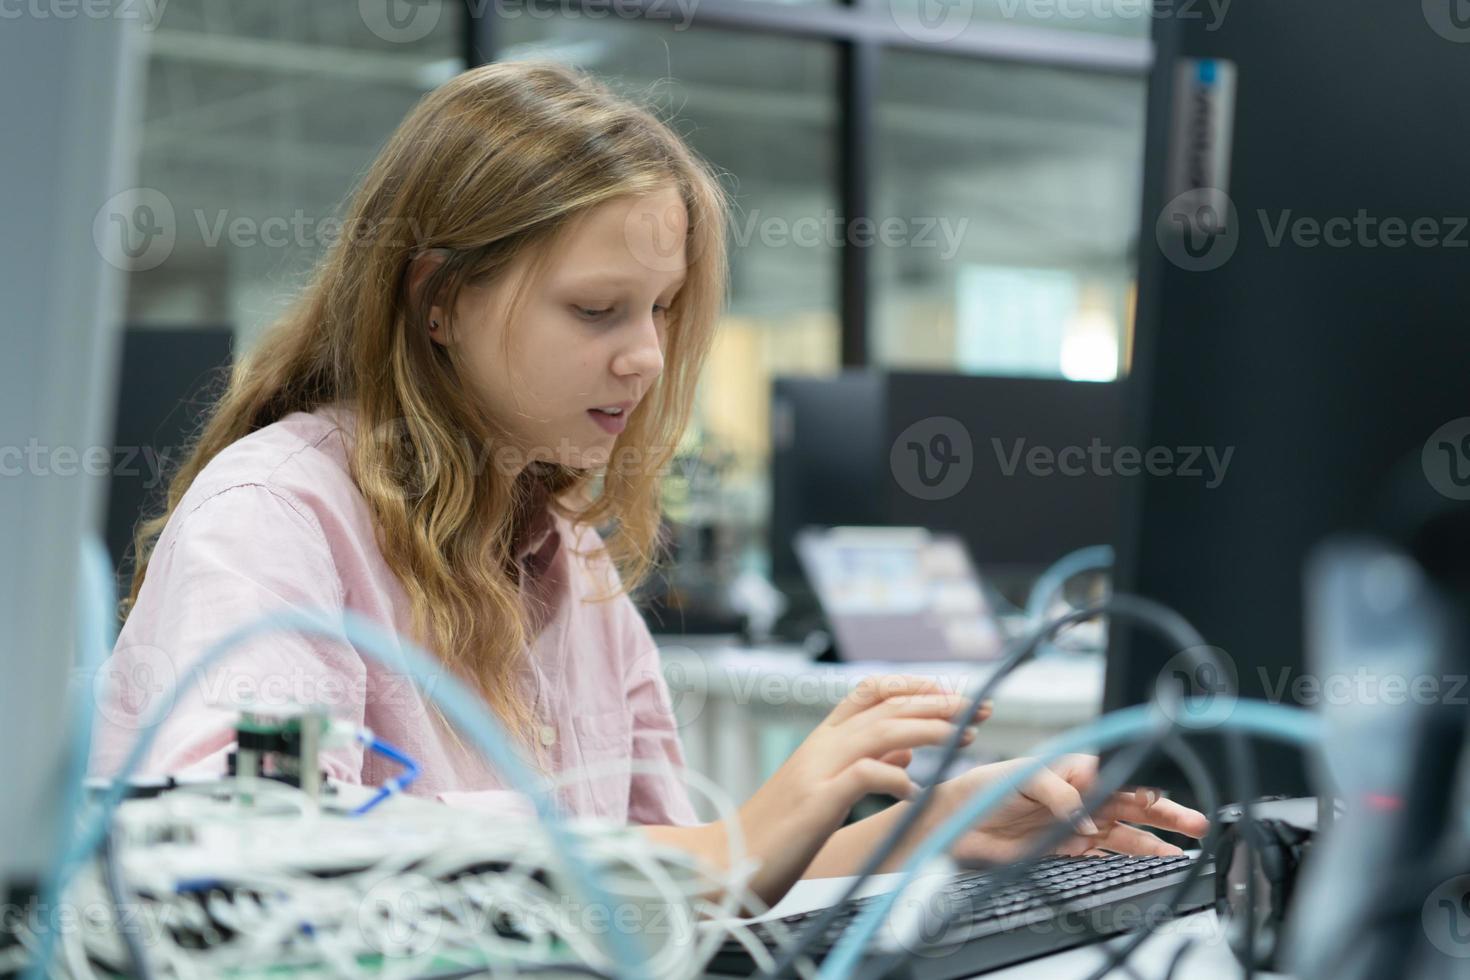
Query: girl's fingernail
[1153, 796]
[1084, 823]
[914, 790]
[971, 731]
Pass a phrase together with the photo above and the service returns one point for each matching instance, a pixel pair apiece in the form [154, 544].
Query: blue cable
[461, 706]
[398, 783]
[1095, 557]
[1252, 717]
[1058, 573]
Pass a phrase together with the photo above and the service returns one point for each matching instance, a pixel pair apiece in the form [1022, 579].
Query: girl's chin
[586, 457]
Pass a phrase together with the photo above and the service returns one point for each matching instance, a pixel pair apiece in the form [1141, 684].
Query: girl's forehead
[629, 224]
[619, 264]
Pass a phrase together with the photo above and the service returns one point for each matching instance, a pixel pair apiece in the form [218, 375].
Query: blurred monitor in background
[1023, 471]
[899, 594]
[168, 380]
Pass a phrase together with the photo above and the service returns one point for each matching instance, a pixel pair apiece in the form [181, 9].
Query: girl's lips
[612, 424]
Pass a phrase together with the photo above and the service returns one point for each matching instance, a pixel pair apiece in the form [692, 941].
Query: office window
[259, 117]
[762, 110]
[1011, 194]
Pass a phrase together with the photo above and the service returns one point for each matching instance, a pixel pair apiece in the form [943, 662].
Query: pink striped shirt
[275, 521]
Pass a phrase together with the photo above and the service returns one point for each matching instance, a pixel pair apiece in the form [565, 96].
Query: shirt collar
[541, 544]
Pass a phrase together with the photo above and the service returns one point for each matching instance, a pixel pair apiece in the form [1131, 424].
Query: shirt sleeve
[660, 797]
[241, 554]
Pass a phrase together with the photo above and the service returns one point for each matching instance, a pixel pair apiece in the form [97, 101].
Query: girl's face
[588, 341]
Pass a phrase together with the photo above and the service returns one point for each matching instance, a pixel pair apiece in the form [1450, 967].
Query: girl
[498, 355]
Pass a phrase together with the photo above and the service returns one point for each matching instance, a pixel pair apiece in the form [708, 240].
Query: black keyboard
[965, 927]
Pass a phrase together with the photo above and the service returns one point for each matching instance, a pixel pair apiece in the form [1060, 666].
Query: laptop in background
[899, 594]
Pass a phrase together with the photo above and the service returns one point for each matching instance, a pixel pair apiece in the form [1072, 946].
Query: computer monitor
[826, 461]
[1302, 306]
[857, 449]
[66, 93]
[168, 378]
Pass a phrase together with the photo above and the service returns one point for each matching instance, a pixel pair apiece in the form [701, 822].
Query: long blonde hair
[489, 168]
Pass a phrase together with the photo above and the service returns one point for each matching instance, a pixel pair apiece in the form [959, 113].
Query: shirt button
[548, 735]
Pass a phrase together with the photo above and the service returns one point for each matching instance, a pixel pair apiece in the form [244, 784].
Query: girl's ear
[420, 268]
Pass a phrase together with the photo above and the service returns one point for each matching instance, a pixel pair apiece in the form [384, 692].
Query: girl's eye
[591, 314]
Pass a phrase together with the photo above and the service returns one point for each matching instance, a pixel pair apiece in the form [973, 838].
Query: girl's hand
[1055, 793]
[861, 747]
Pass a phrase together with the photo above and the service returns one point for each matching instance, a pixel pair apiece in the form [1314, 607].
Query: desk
[741, 710]
[1209, 959]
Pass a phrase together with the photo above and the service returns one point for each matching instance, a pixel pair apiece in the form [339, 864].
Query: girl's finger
[1164, 814]
[898, 757]
[945, 706]
[1061, 800]
[1130, 840]
[876, 688]
[871, 776]
[881, 737]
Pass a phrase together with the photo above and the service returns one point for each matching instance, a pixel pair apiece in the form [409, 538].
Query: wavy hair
[488, 170]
